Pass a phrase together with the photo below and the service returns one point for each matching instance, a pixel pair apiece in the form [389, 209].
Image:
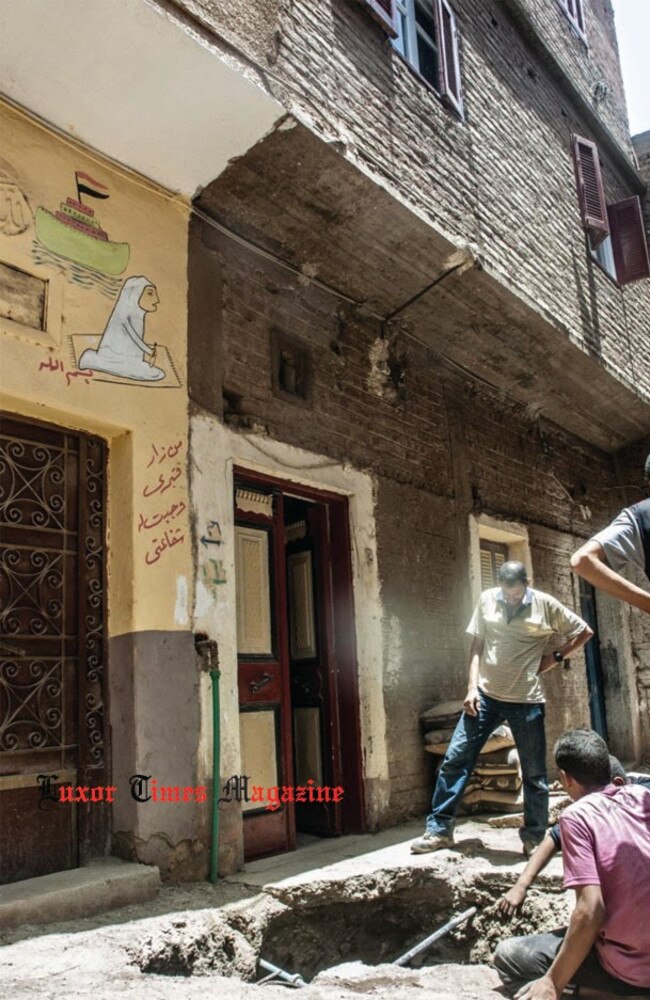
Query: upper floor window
[417, 38]
[424, 33]
[615, 232]
[576, 15]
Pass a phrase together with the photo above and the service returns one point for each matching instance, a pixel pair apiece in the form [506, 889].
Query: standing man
[625, 542]
[606, 853]
[510, 628]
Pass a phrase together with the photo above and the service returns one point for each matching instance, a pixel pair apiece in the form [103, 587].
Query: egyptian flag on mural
[88, 185]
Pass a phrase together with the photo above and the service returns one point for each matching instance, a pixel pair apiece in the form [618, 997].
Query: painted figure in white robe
[123, 350]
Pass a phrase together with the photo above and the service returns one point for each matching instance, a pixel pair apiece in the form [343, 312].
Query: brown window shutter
[384, 12]
[493, 556]
[590, 188]
[449, 60]
[629, 241]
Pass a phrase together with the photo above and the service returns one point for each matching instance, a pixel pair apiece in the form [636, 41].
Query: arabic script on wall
[158, 521]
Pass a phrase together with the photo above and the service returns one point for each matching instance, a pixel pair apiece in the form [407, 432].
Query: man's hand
[547, 662]
[539, 989]
[511, 900]
[472, 702]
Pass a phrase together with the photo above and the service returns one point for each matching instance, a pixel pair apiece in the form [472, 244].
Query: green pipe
[216, 765]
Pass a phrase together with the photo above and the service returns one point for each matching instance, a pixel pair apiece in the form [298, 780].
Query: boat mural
[75, 233]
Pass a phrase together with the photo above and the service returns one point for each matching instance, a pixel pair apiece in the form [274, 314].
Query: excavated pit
[370, 918]
[312, 939]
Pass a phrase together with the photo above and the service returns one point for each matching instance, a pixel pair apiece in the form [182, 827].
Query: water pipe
[216, 781]
[277, 973]
[423, 945]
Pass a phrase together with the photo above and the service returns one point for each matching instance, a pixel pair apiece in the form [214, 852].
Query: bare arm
[471, 703]
[586, 921]
[549, 661]
[589, 562]
[515, 896]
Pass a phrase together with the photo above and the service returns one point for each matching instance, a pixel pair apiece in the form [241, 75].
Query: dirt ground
[340, 925]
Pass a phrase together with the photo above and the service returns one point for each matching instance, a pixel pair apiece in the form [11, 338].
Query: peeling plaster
[181, 614]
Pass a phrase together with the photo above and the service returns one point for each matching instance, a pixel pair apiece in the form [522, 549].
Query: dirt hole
[311, 939]
[370, 924]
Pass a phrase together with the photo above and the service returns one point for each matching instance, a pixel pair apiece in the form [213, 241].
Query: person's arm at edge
[471, 703]
[548, 662]
[589, 562]
[584, 925]
[515, 896]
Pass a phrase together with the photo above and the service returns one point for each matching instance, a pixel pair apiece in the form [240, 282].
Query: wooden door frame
[341, 602]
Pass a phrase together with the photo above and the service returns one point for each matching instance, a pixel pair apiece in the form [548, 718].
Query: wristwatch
[557, 656]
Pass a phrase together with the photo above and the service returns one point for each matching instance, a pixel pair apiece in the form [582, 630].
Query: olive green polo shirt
[512, 650]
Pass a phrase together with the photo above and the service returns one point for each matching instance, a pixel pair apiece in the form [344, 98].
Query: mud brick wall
[593, 63]
[502, 181]
[440, 447]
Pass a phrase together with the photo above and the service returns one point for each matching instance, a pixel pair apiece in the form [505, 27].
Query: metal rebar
[423, 945]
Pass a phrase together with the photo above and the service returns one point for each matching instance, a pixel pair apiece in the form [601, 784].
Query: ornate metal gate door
[52, 657]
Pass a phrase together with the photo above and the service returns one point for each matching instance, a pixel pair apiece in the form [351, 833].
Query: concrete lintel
[144, 87]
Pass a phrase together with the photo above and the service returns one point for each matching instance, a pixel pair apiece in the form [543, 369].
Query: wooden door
[313, 674]
[265, 710]
[51, 646]
[595, 678]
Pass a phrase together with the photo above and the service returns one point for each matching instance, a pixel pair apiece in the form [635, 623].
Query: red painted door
[263, 674]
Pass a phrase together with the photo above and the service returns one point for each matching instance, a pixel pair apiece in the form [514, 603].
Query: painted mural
[73, 239]
[75, 233]
[99, 285]
[121, 352]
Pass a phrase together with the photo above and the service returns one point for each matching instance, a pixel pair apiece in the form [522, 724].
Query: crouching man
[606, 852]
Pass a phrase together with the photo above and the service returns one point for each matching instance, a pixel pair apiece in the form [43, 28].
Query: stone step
[104, 884]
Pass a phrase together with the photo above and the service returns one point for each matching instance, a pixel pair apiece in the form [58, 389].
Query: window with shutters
[427, 39]
[493, 541]
[616, 236]
[574, 12]
[493, 555]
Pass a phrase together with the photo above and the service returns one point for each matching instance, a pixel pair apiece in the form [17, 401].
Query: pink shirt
[606, 842]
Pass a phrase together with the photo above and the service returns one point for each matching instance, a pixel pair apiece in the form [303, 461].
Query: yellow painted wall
[145, 423]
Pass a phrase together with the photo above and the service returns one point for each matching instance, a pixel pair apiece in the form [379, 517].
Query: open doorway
[297, 671]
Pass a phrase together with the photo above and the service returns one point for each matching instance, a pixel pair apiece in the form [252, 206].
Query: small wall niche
[291, 367]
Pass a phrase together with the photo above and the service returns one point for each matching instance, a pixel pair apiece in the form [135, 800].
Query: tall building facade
[392, 263]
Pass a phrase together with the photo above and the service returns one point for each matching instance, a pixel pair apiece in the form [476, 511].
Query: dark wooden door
[264, 705]
[595, 677]
[51, 646]
[313, 675]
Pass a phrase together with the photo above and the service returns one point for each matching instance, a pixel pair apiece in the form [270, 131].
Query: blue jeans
[470, 736]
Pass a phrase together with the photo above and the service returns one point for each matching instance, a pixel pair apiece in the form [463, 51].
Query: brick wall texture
[501, 182]
[441, 448]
